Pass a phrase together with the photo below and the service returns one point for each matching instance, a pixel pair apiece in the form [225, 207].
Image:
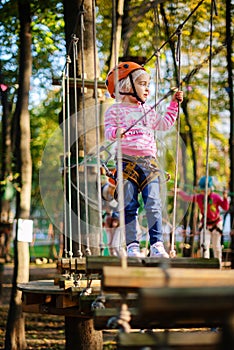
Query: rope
[175, 32]
[75, 56]
[97, 123]
[208, 132]
[69, 157]
[100, 149]
[64, 162]
[119, 150]
[87, 251]
[178, 57]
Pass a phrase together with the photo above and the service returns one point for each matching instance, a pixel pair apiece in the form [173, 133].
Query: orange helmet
[123, 70]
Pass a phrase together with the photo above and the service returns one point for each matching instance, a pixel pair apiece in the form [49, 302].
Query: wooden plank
[197, 304]
[198, 263]
[71, 265]
[48, 286]
[90, 84]
[95, 264]
[52, 310]
[64, 301]
[41, 287]
[169, 340]
[132, 278]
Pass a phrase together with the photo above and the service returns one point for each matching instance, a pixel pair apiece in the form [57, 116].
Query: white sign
[25, 230]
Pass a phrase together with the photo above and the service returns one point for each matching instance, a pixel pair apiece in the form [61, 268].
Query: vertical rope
[178, 54]
[75, 58]
[97, 127]
[119, 151]
[208, 131]
[68, 121]
[64, 164]
[88, 252]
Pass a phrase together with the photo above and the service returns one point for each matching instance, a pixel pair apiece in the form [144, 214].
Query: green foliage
[144, 34]
[44, 122]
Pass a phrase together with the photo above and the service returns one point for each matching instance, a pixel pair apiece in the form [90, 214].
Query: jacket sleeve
[224, 204]
[110, 123]
[187, 197]
[164, 122]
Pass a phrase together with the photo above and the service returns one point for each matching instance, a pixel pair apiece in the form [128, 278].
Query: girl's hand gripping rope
[178, 96]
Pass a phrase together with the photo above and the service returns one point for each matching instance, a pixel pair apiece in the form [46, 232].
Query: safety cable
[75, 58]
[178, 58]
[87, 250]
[203, 232]
[68, 229]
[119, 151]
[97, 129]
[69, 154]
[175, 32]
[65, 229]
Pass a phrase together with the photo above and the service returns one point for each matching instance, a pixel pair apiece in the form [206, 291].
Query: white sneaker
[133, 250]
[157, 250]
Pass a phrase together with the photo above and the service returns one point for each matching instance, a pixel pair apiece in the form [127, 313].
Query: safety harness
[132, 167]
[212, 225]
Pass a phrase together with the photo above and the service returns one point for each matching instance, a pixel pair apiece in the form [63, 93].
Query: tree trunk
[6, 154]
[80, 334]
[15, 333]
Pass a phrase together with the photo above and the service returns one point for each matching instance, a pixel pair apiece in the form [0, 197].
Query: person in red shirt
[214, 223]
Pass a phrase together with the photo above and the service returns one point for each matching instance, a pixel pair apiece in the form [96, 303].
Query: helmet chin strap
[134, 93]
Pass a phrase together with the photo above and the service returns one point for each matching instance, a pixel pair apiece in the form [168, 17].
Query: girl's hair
[125, 84]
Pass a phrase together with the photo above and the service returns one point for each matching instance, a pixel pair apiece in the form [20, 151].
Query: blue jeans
[152, 205]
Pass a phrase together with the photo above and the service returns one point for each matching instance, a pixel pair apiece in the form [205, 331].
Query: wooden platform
[133, 278]
[172, 298]
[95, 264]
[46, 297]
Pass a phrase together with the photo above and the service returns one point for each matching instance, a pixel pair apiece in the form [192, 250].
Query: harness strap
[212, 228]
[129, 172]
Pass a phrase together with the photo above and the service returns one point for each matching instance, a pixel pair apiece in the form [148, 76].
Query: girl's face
[142, 86]
[142, 89]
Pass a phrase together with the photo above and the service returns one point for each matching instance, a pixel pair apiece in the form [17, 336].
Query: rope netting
[101, 152]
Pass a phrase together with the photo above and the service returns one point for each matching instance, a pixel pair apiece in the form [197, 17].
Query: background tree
[15, 334]
[79, 15]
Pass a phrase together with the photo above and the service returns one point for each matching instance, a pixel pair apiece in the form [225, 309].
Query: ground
[43, 332]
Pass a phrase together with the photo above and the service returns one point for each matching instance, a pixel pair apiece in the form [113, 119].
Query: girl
[135, 124]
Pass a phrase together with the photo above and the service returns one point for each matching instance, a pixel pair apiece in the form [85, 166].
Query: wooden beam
[168, 340]
[95, 264]
[132, 278]
[197, 304]
[87, 83]
[71, 264]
